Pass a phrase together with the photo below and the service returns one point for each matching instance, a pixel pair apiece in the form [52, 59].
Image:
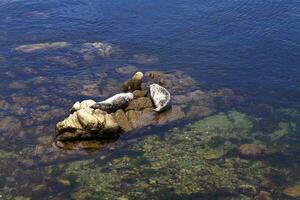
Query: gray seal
[112, 104]
[160, 96]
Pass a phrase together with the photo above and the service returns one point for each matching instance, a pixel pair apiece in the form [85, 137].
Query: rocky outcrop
[86, 123]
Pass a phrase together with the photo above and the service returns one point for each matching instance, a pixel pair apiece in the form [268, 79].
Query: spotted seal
[112, 104]
[160, 96]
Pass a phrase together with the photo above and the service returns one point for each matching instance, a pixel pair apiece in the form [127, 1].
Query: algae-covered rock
[292, 191]
[257, 150]
[249, 190]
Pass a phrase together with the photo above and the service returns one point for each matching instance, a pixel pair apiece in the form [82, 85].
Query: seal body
[161, 97]
[112, 104]
[134, 83]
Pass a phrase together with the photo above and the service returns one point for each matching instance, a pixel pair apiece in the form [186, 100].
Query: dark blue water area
[251, 46]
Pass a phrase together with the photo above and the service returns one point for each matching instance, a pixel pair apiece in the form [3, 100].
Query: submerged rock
[263, 195]
[176, 82]
[257, 150]
[30, 48]
[292, 191]
[146, 59]
[129, 69]
[100, 48]
[10, 124]
[249, 190]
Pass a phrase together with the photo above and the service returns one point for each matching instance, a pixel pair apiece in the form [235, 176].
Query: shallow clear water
[251, 47]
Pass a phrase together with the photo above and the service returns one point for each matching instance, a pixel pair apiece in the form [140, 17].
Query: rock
[140, 104]
[47, 114]
[256, 150]
[86, 123]
[64, 182]
[81, 194]
[226, 97]
[175, 113]
[10, 124]
[176, 82]
[17, 85]
[139, 93]
[39, 80]
[121, 118]
[91, 89]
[101, 48]
[139, 119]
[23, 100]
[266, 185]
[252, 150]
[30, 48]
[61, 60]
[134, 83]
[146, 59]
[263, 196]
[199, 111]
[110, 125]
[292, 191]
[87, 120]
[248, 190]
[129, 69]
[92, 144]
[81, 105]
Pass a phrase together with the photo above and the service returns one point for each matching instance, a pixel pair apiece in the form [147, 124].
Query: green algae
[196, 161]
[176, 164]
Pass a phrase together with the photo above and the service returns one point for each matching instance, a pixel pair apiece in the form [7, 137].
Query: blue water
[250, 46]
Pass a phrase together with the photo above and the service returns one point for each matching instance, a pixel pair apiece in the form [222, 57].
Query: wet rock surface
[292, 191]
[257, 150]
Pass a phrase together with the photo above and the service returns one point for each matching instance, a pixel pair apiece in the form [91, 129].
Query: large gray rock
[86, 123]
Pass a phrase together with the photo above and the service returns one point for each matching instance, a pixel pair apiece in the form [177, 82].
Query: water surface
[249, 46]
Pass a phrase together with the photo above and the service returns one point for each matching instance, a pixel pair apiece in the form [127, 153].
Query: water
[249, 46]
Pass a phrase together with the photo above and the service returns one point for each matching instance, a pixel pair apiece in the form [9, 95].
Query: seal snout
[95, 106]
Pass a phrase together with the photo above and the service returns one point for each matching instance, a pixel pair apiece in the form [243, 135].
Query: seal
[160, 96]
[112, 104]
[134, 83]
